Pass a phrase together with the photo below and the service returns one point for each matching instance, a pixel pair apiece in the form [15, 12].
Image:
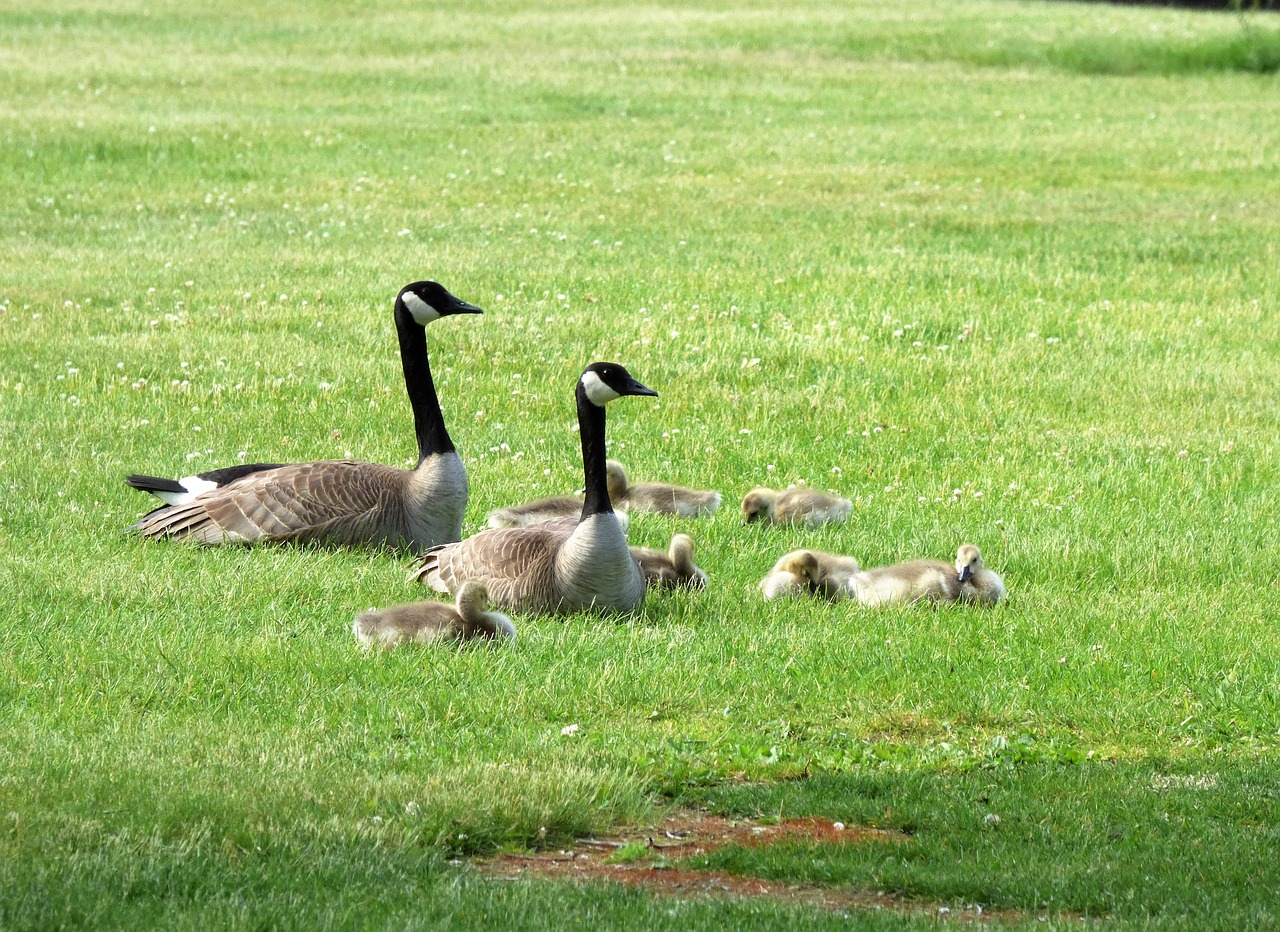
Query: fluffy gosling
[977, 583]
[537, 512]
[670, 569]
[810, 572]
[914, 581]
[930, 581]
[662, 497]
[434, 622]
[796, 505]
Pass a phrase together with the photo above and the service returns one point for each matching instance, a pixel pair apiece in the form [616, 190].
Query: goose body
[339, 502]
[564, 565]
[810, 572]
[434, 622]
[795, 505]
[672, 568]
[977, 583]
[661, 497]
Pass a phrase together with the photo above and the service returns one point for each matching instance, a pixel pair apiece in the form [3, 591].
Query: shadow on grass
[1170, 842]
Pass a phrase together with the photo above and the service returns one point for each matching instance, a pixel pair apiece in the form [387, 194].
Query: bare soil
[687, 833]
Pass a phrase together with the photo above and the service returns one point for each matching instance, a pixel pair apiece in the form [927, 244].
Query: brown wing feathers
[331, 500]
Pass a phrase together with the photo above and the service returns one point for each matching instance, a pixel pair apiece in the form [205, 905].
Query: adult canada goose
[336, 501]
[914, 581]
[563, 565]
[810, 572]
[795, 505]
[977, 583]
[661, 497]
[672, 568]
[434, 622]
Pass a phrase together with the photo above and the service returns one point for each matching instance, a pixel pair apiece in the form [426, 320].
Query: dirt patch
[643, 857]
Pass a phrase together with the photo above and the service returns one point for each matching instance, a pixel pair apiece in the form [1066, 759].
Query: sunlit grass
[946, 261]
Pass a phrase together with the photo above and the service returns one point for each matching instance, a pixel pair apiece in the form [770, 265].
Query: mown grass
[935, 260]
[1150, 842]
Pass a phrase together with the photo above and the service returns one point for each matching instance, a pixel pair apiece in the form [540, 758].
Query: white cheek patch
[597, 391]
[422, 312]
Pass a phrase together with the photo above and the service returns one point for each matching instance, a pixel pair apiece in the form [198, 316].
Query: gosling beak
[965, 572]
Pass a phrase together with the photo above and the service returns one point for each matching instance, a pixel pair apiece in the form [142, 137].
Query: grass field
[1003, 273]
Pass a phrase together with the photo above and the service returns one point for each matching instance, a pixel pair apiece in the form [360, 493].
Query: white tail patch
[597, 391]
[194, 485]
[422, 312]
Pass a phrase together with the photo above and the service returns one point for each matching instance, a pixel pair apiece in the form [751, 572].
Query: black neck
[591, 432]
[428, 421]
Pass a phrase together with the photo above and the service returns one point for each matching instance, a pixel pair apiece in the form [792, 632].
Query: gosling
[810, 572]
[661, 497]
[563, 510]
[977, 583]
[914, 581]
[434, 622]
[537, 512]
[670, 569]
[930, 581]
[795, 505]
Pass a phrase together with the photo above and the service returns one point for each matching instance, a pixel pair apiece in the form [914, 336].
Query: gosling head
[616, 478]
[803, 564]
[681, 554]
[428, 301]
[757, 505]
[603, 382]
[968, 562]
[472, 600]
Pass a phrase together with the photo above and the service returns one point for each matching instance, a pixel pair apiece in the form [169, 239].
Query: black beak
[964, 574]
[458, 306]
[635, 388]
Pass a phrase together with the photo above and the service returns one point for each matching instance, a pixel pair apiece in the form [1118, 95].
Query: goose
[977, 583]
[661, 497]
[563, 565]
[434, 622]
[810, 572]
[795, 505]
[337, 502]
[672, 568]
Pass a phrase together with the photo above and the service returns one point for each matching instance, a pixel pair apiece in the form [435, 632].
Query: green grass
[1001, 273]
[1153, 842]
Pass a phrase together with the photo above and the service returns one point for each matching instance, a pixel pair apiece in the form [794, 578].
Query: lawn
[1001, 273]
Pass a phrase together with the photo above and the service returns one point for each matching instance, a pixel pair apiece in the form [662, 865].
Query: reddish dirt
[687, 834]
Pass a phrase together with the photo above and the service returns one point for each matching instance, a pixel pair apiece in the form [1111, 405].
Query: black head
[604, 382]
[428, 301]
